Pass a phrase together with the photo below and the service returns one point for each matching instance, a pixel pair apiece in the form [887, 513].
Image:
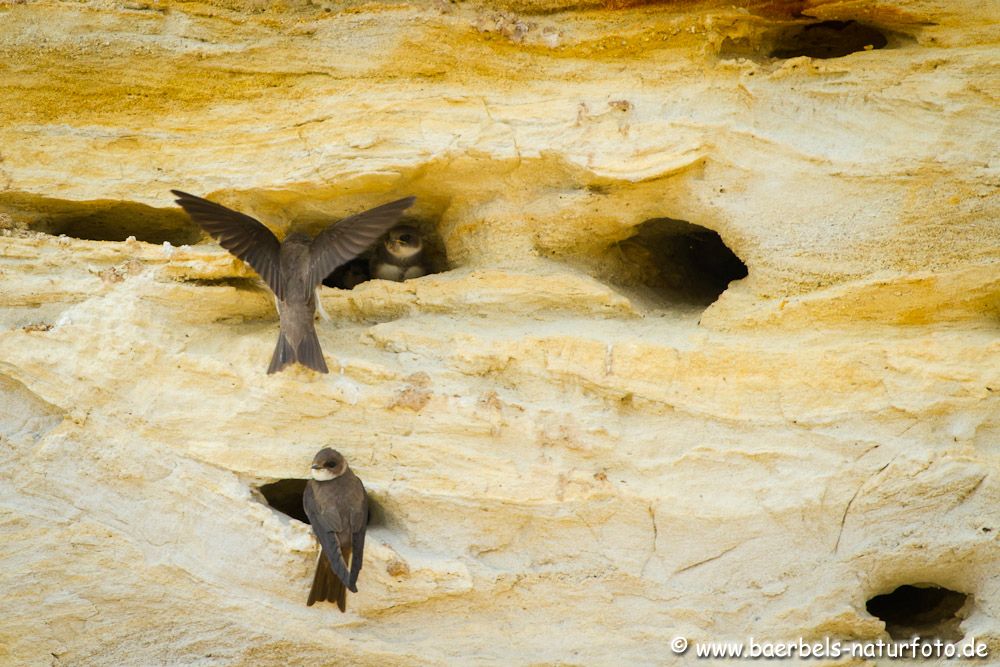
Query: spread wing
[358, 545]
[345, 240]
[240, 234]
[327, 536]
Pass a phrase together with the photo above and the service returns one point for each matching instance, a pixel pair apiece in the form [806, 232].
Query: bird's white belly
[388, 272]
[413, 272]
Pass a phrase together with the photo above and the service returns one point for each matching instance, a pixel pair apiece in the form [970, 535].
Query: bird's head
[403, 241]
[328, 464]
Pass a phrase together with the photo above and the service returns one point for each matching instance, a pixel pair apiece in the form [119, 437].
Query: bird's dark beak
[316, 466]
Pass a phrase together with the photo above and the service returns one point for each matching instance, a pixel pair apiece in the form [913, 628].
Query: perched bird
[349, 275]
[337, 506]
[294, 268]
[399, 256]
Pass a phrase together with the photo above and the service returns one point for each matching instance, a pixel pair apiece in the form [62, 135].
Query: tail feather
[342, 593]
[326, 587]
[310, 353]
[283, 355]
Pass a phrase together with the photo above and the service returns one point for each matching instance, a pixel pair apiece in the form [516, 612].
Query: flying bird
[337, 506]
[295, 267]
[399, 256]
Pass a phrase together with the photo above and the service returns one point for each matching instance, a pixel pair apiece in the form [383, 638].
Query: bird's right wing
[358, 545]
[341, 242]
[327, 537]
[240, 234]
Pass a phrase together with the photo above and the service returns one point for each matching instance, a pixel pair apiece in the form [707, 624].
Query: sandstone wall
[573, 460]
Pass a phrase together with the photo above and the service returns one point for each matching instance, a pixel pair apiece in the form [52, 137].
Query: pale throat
[324, 474]
[403, 252]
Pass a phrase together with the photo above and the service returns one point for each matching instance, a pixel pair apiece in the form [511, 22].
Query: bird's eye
[406, 238]
[331, 464]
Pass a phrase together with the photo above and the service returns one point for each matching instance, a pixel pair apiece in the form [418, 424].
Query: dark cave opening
[927, 611]
[826, 39]
[285, 495]
[358, 270]
[682, 262]
[100, 220]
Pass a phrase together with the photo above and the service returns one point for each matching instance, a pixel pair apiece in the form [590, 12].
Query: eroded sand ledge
[573, 464]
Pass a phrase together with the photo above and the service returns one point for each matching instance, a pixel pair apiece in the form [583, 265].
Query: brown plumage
[337, 506]
[293, 269]
[399, 255]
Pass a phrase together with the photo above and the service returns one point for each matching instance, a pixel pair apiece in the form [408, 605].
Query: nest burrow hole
[285, 496]
[101, 220]
[826, 39]
[925, 610]
[680, 262]
[357, 271]
[819, 39]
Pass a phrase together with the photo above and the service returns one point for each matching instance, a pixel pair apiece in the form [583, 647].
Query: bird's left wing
[327, 536]
[345, 240]
[243, 236]
[358, 545]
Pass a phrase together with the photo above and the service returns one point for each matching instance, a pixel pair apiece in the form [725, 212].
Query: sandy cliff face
[578, 450]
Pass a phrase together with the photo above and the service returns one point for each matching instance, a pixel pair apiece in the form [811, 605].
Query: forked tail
[308, 354]
[326, 586]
